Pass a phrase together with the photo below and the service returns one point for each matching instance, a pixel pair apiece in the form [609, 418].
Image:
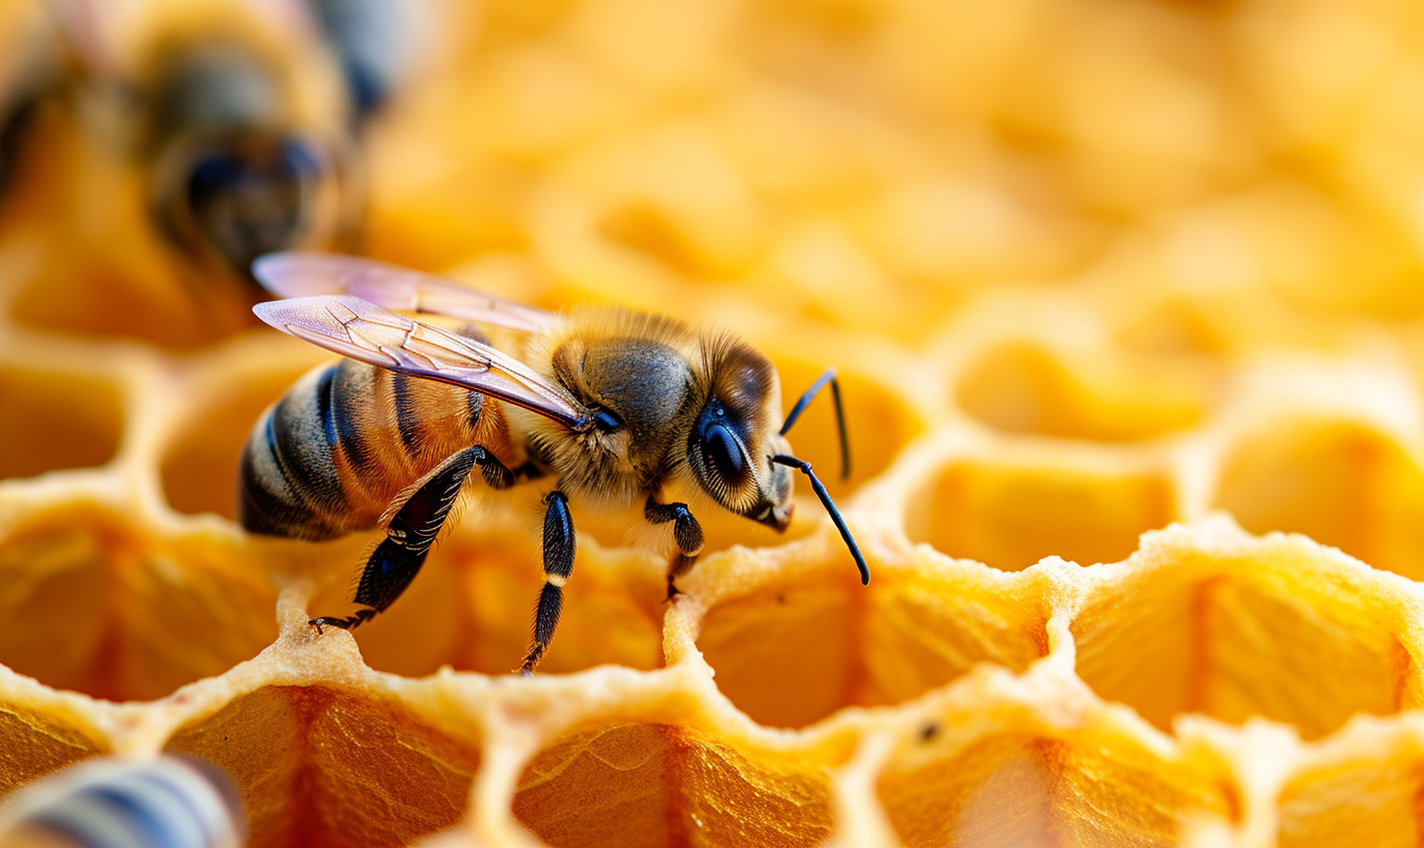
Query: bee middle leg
[685, 531]
[559, 543]
[411, 532]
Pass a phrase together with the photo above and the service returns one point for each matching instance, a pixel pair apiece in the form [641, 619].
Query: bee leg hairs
[411, 532]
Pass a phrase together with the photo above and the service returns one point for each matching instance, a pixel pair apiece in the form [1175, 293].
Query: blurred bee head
[232, 178]
[239, 119]
[29, 71]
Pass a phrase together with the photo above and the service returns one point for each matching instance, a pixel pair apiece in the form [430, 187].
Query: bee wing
[364, 331]
[300, 274]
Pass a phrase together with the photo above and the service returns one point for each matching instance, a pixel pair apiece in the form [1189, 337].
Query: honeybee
[238, 118]
[108, 803]
[232, 177]
[615, 405]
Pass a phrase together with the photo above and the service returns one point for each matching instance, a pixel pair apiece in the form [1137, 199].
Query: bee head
[730, 434]
[735, 435]
[240, 197]
[235, 173]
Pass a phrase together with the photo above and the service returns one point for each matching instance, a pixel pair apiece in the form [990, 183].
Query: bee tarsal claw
[347, 623]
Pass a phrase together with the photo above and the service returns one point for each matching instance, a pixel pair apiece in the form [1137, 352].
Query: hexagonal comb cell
[1009, 514]
[1021, 387]
[97, 606]
[1022, 788]
[323, 766]
[797, 639]
[54, 419]
[789, 652]
[469, 608]
[640, 784]
[1282, 629]
[1340, 482]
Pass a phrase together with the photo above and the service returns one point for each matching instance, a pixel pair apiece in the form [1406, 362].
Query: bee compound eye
[721, 449]
[251, 200]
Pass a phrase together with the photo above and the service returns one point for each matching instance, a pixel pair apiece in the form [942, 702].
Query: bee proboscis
[614, 405]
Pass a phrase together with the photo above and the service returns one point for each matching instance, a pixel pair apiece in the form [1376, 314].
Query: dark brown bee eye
[721, 448]
[248, 202]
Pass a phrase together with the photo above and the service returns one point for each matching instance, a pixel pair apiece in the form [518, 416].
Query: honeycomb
[1126, 300]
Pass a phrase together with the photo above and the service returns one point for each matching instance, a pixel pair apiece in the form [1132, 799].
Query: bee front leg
[685, 531]
[558, 565]
[410, 534]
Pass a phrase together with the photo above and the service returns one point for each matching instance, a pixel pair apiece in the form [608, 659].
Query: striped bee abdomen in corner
[107, 803]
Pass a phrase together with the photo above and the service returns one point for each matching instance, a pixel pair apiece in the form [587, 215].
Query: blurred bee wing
[363, 331]
[300, 274]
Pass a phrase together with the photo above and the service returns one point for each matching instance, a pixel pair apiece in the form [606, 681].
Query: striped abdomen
[108, 803]
[329, 456]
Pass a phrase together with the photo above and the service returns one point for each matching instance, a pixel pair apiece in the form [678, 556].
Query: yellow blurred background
[1221, 172]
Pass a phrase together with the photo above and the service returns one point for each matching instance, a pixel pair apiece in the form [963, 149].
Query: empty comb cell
[1009, 513]
[51, 420]
[662, 784]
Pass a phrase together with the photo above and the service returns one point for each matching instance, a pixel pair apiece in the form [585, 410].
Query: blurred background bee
[237, 120]
[30, 71]
[108, 803]
[625, 410]
[187, 139]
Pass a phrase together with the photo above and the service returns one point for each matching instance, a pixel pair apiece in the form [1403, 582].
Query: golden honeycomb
[1127, 300]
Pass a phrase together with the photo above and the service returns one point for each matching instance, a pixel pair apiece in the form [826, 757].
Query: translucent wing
[298, 274]
[353, 327]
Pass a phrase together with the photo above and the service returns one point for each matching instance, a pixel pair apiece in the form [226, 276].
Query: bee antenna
[783, 459]
[806, 398]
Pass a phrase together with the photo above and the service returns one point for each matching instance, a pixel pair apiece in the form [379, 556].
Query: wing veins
[299, 274]
[388, 340]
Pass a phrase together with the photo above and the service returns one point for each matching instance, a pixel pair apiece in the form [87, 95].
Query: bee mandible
[615, 405]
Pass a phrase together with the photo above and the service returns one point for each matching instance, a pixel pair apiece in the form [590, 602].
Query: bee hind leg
[559, 543]
[409, 536]
[685, 531]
